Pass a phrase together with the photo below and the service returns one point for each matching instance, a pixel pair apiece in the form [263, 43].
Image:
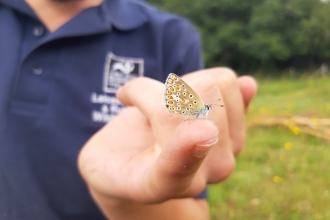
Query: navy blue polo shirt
[57, 89]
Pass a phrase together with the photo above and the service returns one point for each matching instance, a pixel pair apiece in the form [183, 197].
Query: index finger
[148, 96]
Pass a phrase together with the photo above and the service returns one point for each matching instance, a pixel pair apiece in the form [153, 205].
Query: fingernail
[201, 150]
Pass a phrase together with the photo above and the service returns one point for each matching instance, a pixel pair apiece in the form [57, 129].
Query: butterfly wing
[180, 98]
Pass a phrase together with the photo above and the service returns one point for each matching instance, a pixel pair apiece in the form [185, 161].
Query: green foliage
[259, 35]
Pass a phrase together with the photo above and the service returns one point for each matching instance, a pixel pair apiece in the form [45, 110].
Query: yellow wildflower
[262, 110]
[295, 129]
[288, 146]
[278, 179]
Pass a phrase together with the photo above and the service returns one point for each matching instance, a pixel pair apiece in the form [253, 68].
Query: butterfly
[181, 99]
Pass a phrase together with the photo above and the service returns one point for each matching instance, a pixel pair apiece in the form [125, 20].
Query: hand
[146, 155]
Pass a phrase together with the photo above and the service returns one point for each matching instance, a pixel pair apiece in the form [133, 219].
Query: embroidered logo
[119, 70]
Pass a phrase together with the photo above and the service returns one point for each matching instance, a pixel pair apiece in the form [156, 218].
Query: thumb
[173, 172]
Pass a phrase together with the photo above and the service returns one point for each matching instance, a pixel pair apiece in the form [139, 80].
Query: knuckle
[223, 170]
[224, 75]
[228, 76]
[204, 84]
[208, 83]
[226, 71]
[199, 186]
[130, 86]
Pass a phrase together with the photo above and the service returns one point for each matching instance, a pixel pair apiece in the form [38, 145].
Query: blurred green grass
[279, 174]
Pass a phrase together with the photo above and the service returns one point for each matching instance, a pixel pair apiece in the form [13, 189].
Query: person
[61, 64]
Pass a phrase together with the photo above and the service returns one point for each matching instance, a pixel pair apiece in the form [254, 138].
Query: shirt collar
[122, 14]
[19, 5]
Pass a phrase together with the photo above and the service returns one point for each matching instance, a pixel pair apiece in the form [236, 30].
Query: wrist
[179, 209]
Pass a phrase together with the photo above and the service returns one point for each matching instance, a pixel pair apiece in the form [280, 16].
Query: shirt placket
[34, 77]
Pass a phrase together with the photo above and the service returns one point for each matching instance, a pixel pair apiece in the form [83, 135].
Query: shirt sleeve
[202, 195]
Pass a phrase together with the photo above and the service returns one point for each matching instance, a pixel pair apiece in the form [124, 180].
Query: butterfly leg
[192, 119]
[187, 119]
[208, 117]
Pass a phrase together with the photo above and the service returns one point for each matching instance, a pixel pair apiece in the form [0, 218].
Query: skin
[148, 164]
[55, 13]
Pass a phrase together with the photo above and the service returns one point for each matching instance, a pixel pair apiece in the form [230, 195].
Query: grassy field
[280, 174]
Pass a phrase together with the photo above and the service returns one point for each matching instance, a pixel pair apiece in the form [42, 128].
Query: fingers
[174, 170]
[211, 84]
[248, 87]
[236, 96]
[148, 96]
[227, 82]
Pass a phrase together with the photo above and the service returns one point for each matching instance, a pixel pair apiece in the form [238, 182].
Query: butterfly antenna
[216, 104]
[215, 101]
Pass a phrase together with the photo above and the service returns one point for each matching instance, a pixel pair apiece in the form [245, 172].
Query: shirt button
[38, 31]
[37, 70]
